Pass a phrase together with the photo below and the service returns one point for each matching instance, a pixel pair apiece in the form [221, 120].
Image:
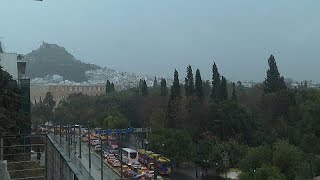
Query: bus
[129, 155]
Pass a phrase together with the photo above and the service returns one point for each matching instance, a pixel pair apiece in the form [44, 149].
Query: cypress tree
[199, 88]
[189, 83]
[173, 104]
[108, 87]
[215, 83]
[274, 82]
[144, 88]
[112, 89]
[234, 95]
[175, 89]
[163, 88]
[155, 82]
[223, 92]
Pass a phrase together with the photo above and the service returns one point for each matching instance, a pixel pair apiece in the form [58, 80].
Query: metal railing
[22, 154]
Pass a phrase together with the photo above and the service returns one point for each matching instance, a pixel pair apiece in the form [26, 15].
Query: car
[110, 159]
[129, 173]
[97, 147]
[125, 168]
[143, 170]
[110, 156]
[116, 163]
[135, 165]
[114, 151]
[150, 174]
[84, 139]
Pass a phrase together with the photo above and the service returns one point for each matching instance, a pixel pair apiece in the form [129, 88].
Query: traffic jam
[136, 164]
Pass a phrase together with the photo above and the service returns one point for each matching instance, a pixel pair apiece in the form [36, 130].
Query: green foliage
[144, 88]
[175, 144]
[109, 87]
[223, 92]
[274, 82]
[189, 83]
[234, 94]
[267, 172]
[49, 102]
[115, 120]
[235, 120]
[215, 83]
[199, 86]
[175, 89]
[163, 88]
[155, 82]
[11, 118]
[255, 158]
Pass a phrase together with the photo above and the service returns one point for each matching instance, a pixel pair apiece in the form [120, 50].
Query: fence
[63, 166]
[22, 156]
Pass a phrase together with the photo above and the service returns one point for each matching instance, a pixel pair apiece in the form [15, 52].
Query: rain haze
[154, 37]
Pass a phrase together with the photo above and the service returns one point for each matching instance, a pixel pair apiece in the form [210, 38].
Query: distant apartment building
[62, 91]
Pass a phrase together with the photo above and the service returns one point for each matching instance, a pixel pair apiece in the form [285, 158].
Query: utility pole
[89, 134]
[101, 157]
[80, 135]
[60, 127]
[121, 163]
[1, 145]
[155, 169]
[74, 139]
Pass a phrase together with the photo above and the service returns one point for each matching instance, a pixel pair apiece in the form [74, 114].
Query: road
[83, 162]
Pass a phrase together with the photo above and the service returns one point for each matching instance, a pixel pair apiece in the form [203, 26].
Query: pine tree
[189, 83]
[175, 89]
[144, 88]
[234, 95]
[155, 82]
[274, 82]
[215, 83]
[163, 88]
[223, 92]
[199, 88]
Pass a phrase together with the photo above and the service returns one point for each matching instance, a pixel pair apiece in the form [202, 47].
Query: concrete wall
[4, 174]
[9, 63]
[58, 164]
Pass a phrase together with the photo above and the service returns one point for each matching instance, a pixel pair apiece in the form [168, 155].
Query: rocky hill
[51, 59]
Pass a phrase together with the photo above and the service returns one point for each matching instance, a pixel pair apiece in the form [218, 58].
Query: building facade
[61, 92]
[15, 65]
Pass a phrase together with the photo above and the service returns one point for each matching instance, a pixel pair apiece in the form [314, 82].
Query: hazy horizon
[154, 37]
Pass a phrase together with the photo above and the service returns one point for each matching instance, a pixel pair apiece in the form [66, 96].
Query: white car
[97, 148]
[116, 163]
[135, 165]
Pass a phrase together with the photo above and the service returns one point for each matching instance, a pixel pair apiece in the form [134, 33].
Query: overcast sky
[156, 36]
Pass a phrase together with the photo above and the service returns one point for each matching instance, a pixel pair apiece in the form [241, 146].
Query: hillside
[50, 59]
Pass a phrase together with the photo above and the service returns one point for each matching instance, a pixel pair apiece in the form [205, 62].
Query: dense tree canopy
[267, 130]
